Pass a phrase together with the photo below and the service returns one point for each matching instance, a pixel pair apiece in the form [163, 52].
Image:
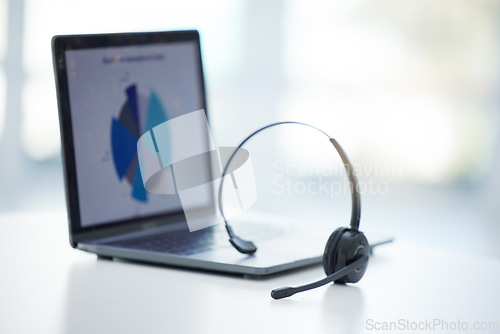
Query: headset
[347, 250]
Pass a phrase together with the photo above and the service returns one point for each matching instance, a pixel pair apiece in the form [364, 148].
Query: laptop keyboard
[183, 242]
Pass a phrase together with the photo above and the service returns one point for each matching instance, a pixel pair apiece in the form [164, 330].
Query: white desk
[47, 287]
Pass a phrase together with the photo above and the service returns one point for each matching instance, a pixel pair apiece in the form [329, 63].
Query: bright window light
[3, 44]
[406, 83]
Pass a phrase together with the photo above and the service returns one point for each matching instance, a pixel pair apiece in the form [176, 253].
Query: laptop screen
[116, 89]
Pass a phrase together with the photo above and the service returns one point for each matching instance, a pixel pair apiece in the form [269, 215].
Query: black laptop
[104, 85]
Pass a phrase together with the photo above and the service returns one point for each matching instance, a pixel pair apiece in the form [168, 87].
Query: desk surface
[47, 287]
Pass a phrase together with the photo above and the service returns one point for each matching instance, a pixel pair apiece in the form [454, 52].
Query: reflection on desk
[47, 287]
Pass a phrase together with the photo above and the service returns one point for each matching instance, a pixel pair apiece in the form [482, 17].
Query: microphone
[287, 291]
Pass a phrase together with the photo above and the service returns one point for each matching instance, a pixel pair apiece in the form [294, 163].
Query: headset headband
[248, 247]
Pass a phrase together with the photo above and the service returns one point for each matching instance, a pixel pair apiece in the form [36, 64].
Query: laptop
[106, 84]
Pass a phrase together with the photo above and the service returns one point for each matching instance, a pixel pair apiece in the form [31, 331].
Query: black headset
[346, 252]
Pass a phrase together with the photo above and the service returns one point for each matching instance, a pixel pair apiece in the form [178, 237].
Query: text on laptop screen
[116, 95]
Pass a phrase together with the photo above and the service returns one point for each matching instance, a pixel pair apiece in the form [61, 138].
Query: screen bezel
[63, 43]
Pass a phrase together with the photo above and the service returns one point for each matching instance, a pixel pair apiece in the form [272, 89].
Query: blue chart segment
[126, 130]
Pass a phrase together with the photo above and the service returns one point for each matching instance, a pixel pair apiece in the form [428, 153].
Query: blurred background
[410, 89]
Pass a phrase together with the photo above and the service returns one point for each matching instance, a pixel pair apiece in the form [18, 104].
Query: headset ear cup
[329, 255]
[343, 248]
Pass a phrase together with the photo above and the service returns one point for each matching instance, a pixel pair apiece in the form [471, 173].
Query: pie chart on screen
[139, 113]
